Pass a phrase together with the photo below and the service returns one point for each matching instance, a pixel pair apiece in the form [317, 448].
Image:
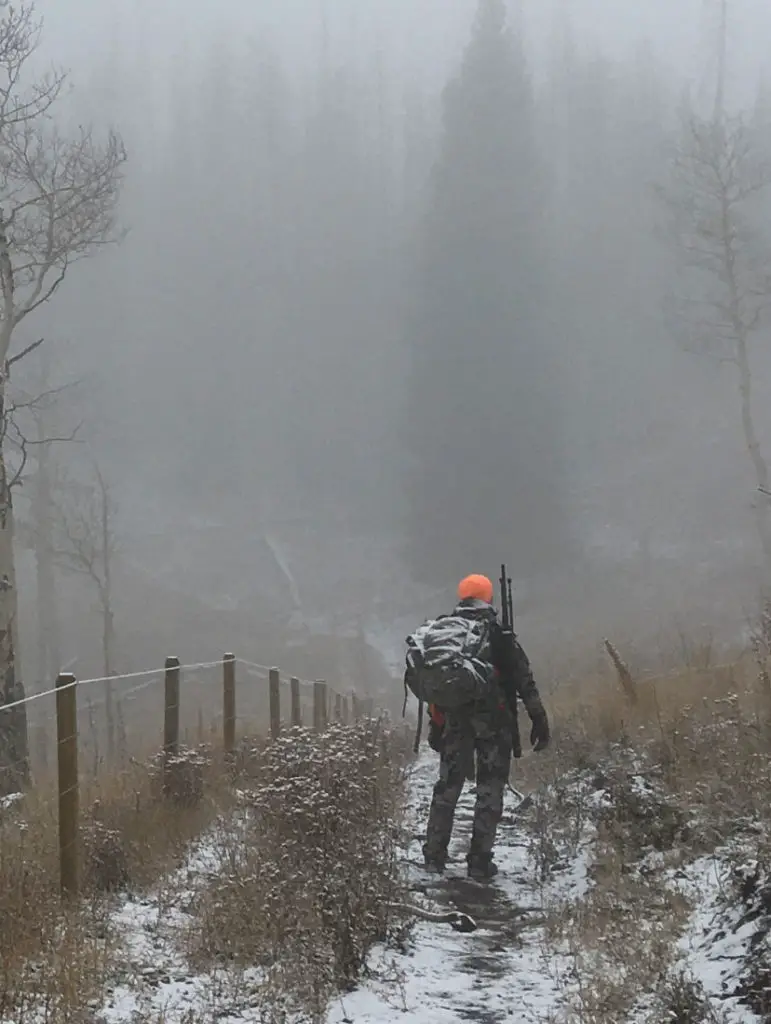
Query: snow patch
[503, 971]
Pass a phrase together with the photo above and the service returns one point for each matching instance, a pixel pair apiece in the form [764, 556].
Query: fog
[365, 333]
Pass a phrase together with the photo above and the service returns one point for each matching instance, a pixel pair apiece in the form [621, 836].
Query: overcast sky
[413, 35]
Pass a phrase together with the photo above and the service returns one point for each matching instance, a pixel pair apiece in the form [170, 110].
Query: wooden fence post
[229, 704]
[319, 706]
[274, 683]
[120, 722]
[170, 717]
[69, 797]
[294, 687]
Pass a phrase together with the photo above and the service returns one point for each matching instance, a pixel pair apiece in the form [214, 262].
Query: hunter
[486, 725]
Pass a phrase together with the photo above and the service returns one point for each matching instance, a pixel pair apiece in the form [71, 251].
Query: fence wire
[115, 764]
[121, 718]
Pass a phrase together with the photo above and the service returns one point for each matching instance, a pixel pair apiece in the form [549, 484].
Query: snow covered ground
[155, 983]
[509, 969]
[503, 971]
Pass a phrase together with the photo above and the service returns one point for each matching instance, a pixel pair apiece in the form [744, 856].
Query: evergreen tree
[485, 469]
[339, 335]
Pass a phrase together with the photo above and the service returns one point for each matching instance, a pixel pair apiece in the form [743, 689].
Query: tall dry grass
[307, 871]
[305, 865]
[676, 769]
[708, 729]
[55, 955]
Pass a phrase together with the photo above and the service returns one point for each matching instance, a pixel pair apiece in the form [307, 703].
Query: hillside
[635, 882]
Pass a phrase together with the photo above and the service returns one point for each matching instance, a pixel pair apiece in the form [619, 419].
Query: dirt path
[498, 973]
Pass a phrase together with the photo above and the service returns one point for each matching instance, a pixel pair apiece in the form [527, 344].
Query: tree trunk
[759, 464]
[49, 642]
[109, 696]
[108, 621]
[722, 60]
[14, 748]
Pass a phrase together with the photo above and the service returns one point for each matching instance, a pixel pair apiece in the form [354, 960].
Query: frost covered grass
[51, 957]
[56, 957]
[702, 737]
[306, 872]
[661, 794]
[133, 832]
[253, 890]
[643, 863]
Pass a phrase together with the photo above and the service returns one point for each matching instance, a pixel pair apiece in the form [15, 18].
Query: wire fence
[97, 747]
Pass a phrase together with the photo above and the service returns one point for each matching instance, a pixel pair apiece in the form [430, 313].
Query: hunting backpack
[449, 660]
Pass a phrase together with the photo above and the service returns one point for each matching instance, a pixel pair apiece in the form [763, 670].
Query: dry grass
[681, 770]
[306, 868]
[52, 958]
[55, 958]
[133, 834]
[305, 874]
[707, 730]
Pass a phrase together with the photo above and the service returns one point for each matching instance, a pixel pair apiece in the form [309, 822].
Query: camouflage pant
[490, 737]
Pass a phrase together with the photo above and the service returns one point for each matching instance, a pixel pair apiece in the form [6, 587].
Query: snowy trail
[508, 970]
[498, 973]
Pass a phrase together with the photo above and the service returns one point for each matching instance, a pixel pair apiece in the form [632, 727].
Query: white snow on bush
[508, 970]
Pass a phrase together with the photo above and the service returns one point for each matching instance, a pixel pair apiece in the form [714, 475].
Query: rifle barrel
[507, 608]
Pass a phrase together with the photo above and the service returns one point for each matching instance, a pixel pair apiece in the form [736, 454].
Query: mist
[382, 317]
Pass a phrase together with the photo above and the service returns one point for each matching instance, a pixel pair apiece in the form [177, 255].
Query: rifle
[507, 627]
[507, 603]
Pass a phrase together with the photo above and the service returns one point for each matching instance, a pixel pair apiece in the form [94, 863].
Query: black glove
[435, 736]
[539, 734]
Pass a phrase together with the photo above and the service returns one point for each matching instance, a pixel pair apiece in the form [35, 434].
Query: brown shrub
[306, 877]
[55, 958]
[137, 825]
[52, 957]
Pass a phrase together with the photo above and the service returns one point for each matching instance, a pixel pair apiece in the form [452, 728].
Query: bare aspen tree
[720, 179]
[86, 544]
[58, 198]
[32, 433]
[20, 409]
[48, 642]
[35, 412]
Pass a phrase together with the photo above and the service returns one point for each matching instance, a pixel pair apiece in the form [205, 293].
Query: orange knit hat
[479, 587]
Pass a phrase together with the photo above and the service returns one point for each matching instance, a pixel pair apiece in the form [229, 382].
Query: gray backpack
[449, 660]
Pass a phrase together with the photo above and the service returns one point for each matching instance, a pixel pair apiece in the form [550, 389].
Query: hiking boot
[434, 866]
[482, 869]
[434, 858]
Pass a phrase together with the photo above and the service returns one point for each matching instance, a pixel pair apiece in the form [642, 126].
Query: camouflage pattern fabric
[488, 733]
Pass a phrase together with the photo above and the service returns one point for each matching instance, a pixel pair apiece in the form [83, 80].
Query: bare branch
[52, 439]
[24, 352]
[87, 544]
[11, 432]
[57, 206]
[20, 33]
[720, 171]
